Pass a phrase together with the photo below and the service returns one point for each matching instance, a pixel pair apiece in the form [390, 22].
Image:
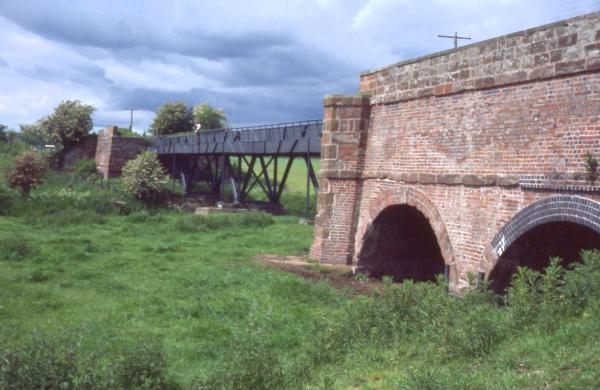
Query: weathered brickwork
[343, 145]
[113, 151]
[561, 48]
[86, 149]
[469, 137]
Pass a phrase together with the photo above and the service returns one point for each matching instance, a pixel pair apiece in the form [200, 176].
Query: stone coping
[569, 182]
[529, 31]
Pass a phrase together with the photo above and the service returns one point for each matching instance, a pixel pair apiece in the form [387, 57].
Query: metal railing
[272, 136]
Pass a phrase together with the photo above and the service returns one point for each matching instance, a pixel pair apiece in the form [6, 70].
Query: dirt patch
[338, 276]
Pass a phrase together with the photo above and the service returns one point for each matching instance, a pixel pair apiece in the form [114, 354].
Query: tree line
[71, 122]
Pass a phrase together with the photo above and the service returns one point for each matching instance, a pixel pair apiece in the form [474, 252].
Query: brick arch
[557, 208]
[405, 195]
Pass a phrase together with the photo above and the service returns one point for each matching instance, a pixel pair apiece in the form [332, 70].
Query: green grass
[160, 299]
[192, 288]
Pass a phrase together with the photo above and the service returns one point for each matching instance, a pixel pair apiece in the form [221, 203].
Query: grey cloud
[76, 28]
[3, 63]
[84, 74]
[297, 64]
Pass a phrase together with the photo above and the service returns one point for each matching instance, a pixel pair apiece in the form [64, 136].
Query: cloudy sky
[261, 61]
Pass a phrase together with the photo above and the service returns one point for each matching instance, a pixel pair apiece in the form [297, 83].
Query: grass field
[90, 298]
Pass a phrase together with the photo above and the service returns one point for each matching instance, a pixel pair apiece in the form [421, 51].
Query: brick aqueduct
[467, 161]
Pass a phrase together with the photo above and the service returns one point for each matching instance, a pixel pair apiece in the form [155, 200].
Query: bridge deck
[283, 139]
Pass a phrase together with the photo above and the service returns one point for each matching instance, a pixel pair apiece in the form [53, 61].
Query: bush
[143, 366]
[145, 179]
[86, 170]
[49, 361]
[102, 198]
[580, 286]
[41, 362]
[27, 172]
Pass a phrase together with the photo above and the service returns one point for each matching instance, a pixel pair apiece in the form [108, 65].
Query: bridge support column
[345, 125]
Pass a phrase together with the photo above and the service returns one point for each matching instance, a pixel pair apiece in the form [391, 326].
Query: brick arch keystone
[406, 195]
[557, 208]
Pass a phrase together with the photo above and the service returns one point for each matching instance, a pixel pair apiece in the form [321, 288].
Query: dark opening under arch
[401, 243]
[556, 226]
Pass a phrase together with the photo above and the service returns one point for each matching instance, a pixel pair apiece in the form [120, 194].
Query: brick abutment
[487, 142]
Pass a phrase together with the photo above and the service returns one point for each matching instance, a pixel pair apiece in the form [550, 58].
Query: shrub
[591, 167]
[57, 361]
[86, 170]
[145, 179]
[580, 286]
[85, 196]
[40, 363]
[27, 172]
[143, 366]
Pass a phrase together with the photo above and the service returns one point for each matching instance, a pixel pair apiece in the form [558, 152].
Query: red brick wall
[86, 149]
[113, 151]
[469, 136]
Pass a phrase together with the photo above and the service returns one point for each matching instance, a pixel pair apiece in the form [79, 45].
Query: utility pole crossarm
[455, 37]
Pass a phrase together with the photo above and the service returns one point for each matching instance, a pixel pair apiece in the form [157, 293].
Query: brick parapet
[558, 49]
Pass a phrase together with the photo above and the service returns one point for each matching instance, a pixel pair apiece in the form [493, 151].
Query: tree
[172, 117]
[144, 178]
[36, 134]
[70, 123]
[209, 117]
[7, 135]
[27, 172]
[3, 134]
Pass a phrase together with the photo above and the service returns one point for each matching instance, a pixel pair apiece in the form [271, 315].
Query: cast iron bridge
[244, 157]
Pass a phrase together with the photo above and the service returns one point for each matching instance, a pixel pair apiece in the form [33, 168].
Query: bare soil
[338, 276]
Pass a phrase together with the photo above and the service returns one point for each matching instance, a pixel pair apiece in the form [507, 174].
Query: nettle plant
[591, 166]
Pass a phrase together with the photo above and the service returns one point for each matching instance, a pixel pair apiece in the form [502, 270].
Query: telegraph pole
[455, 37]
[131, 120]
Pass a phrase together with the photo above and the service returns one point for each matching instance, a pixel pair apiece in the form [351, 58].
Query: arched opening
[401, 243]
[535, 247]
